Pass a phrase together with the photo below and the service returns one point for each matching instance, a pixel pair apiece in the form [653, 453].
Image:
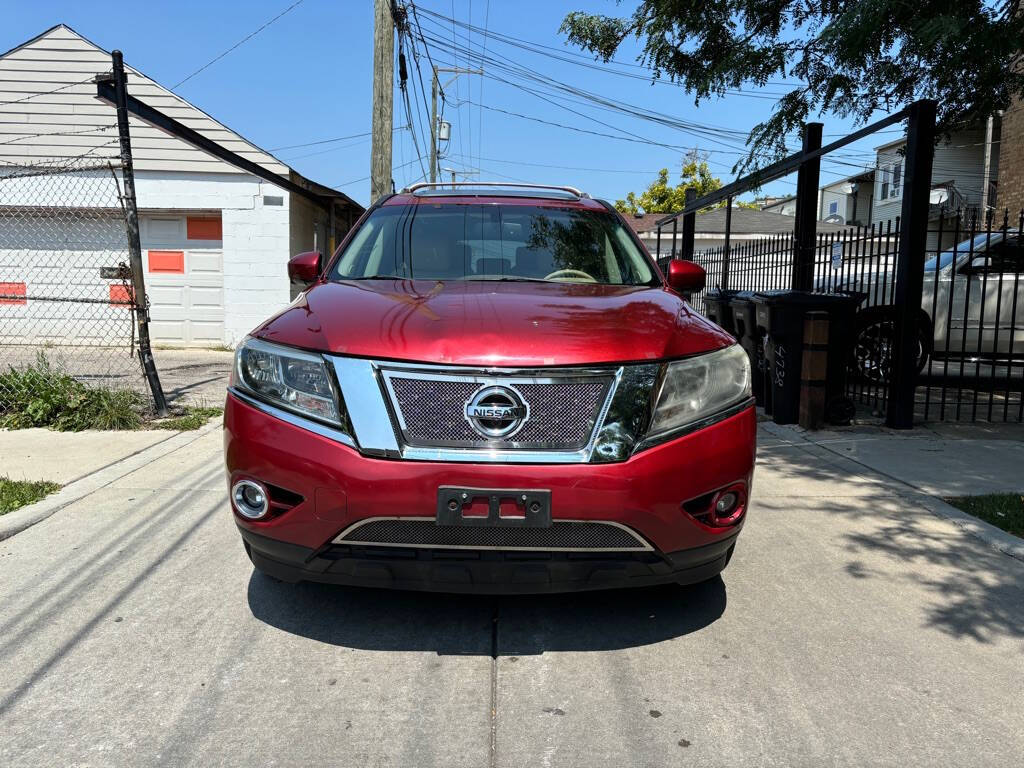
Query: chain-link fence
[66, 298]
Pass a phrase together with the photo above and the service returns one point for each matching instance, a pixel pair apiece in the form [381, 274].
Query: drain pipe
[988, 168]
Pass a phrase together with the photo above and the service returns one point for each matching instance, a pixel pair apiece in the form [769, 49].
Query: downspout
[988, 168]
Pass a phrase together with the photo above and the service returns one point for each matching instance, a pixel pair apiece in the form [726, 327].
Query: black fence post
[689, 225]
[805, 226]
[910, 263]
[675, 236]
[725, 250]
[131, 216]
[657, 247]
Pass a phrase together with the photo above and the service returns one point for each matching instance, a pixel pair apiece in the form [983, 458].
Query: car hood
[500, 324]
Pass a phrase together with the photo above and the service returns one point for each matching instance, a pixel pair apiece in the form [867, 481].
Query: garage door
[184, 265]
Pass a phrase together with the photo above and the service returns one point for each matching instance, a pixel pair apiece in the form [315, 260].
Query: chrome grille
[425, 532]
[562, 413]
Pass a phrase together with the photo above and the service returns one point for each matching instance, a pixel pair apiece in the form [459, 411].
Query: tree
[852, 58]
[661, 197]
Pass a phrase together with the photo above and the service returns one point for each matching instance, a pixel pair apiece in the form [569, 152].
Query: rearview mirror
[686, 276]
[304, 268]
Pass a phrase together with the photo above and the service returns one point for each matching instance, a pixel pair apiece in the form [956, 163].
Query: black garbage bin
[780, 315]
[718, 310]
[744, 319]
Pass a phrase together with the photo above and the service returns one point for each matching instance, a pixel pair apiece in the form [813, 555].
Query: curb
[17, 521]
[993, 537]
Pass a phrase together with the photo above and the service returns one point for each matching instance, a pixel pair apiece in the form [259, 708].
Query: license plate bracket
[529, 508]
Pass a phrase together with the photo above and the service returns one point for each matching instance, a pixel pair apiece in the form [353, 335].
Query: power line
[367, 178]
[245, 39]
[322, 141]
[89, 79]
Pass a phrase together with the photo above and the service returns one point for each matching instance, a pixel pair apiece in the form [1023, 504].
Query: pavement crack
[493, 761]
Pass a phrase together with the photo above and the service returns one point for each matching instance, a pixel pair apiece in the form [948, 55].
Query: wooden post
[433, 126]
[814, 370]
[383, 93]
[910, 264]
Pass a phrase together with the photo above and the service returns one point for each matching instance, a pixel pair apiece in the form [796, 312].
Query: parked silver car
[972, 306]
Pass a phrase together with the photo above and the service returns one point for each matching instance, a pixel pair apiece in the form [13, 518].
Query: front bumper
[331, 486]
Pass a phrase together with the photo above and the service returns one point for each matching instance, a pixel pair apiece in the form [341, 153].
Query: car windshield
[447, 241]
[967, 246]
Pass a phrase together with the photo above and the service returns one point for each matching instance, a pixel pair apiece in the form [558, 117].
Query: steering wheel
[579, 273]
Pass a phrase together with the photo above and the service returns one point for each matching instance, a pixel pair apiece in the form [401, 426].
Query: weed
[193, 418]
[19, 493]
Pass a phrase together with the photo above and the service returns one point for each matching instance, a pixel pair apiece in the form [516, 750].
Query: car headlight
[698, 388]
[288, 378]
[654, 403]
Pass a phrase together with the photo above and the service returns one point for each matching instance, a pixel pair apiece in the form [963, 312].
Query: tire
[873, 342]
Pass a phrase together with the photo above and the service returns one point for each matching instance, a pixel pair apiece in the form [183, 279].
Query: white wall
[960, 160]
[256, 245]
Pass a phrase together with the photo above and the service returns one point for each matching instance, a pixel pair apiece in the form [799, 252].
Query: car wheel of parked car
[874, 341]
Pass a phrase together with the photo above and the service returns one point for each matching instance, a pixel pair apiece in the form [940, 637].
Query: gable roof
[745, 221]
[49, 109]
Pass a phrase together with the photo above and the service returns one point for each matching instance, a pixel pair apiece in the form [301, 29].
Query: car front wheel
[874, 342]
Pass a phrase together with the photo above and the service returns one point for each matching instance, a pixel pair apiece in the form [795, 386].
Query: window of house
[897, 177]
[883, 175]
[833, 208]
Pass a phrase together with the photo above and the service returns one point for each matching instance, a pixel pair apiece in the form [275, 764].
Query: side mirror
[304, 268]
[686, 276]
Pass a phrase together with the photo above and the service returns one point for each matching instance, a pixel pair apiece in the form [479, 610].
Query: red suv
[490, 389]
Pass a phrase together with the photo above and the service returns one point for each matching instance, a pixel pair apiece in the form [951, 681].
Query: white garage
[183, 260]
[215, 239]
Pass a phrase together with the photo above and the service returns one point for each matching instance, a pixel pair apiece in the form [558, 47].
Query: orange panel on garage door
[121, 296]
[203, 228]
[167, 261]
[10, 293]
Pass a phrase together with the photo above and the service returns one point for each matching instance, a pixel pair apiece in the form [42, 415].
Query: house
[848, 201]
[965, 178]
[747, 224]
[1011, 161]
[784, 205]
[215, 239]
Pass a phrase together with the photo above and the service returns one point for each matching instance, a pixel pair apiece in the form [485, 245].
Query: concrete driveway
[853, 628]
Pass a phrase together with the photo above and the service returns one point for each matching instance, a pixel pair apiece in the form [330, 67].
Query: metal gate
[66, 297]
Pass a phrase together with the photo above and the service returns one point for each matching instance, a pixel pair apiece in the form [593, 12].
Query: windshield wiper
[509, 279]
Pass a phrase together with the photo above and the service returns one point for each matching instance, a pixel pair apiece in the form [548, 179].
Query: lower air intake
[425, 532]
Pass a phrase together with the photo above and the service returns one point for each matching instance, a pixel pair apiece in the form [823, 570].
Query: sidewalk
[926, 465]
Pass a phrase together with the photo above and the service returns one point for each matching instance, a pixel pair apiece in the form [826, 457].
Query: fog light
[250, 499]
[726, 503]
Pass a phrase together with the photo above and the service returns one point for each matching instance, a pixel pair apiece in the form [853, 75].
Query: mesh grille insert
[562, 414]
[561, 535]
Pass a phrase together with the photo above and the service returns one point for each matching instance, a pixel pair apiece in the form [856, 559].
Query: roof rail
[441, 185]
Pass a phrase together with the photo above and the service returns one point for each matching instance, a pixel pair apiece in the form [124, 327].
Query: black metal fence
[970, 324]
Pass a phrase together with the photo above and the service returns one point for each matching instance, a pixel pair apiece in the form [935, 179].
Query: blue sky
[306, 78]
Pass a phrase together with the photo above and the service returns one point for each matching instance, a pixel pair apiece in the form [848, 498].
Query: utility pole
[435, 88]
[383, 93]
[456, 171]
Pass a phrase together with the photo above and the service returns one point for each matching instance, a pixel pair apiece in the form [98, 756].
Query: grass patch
[41, 396]
[1003, 510]
[20, 493]
[193, 418]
